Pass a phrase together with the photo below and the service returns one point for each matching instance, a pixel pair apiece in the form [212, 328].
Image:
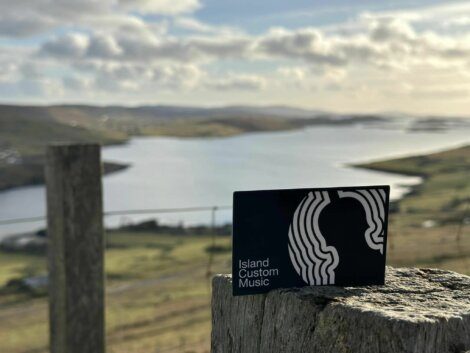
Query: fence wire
[212, 209]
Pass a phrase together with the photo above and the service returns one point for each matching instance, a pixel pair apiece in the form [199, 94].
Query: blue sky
[361, 56]
[255, 16]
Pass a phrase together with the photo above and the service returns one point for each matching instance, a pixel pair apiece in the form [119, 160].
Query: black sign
[301, 237]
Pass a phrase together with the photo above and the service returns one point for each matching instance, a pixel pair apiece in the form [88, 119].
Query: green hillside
[431, 227]
[26, 130]
[24, 133]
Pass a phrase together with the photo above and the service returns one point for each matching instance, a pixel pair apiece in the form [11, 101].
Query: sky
[336, 55]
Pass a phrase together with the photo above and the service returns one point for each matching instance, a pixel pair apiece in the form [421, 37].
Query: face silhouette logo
[299, 237]
[313, 259]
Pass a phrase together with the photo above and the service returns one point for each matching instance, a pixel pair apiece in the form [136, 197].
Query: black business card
[301, 237]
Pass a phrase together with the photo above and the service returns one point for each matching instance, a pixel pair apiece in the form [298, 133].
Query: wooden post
[76, 247]
[417, 311]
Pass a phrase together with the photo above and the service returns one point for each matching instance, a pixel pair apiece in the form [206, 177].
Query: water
[170, 172]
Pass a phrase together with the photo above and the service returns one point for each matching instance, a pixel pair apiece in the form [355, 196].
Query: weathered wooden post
[417, 311]
[76, 248]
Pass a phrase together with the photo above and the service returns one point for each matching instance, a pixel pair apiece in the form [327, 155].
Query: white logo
[311, 257]
[373, 202]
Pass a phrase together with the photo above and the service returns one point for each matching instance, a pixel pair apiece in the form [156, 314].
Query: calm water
[169, 172]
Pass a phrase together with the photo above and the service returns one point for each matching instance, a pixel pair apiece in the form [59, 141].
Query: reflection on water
[170, 172]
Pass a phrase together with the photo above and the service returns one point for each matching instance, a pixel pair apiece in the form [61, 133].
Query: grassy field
[158, 292]
[23, 139]
[432, 225]
[158, 295]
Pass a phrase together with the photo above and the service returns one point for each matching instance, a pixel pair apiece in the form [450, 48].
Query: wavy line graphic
[373, 202]
[311, 257]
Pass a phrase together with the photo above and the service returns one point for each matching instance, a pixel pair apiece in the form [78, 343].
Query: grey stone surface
[417, 311]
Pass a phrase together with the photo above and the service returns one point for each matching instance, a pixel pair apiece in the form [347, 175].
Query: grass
[28, 136]
[158, 295]
[222, 127]
[432, 225]
[17, 265]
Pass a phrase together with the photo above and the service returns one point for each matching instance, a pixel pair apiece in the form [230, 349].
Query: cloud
[237, 83]
[103, 46]
[295, 73]
[305, 44]
[147, 57]
[69, 46]
[37, 87]
[388, 29]
[143, 48]
[165, 7]
[459, 21]
[193, 25]
[112, 77]
[113, 48]
[384, 42]
[448, 93]
[76, 83]
[32, 17]
[23, 25]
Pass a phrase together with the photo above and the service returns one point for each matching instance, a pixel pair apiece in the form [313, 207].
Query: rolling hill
[26, 130]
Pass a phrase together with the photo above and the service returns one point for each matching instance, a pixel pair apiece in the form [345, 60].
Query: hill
[435, 214]
[24, 133]
[26, 130]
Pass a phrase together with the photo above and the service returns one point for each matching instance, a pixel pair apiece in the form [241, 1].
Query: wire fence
[212, 209]
[401, 248]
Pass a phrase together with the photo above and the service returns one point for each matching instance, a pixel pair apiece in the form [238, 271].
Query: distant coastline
[25, 131]
[31, 175]
[442, 173]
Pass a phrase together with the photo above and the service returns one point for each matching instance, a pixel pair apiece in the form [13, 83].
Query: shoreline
[409, 188]
[452, 163]
[30, 174]
[114, 167]
[37, 179]
[22, 157]
[381, 165]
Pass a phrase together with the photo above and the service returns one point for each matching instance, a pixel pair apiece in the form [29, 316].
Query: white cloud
[385, 41]
[108, 47]
[144, 48]
[69, 46]
[196, 26]
[103, 46]
[113, 76]
[23, 25]
[166, 7]
[306, 44]
[31, 17]
[237, 83]
[77, 83]
[388, 29]
[459, 21]
[295, 73]
[149, 58]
